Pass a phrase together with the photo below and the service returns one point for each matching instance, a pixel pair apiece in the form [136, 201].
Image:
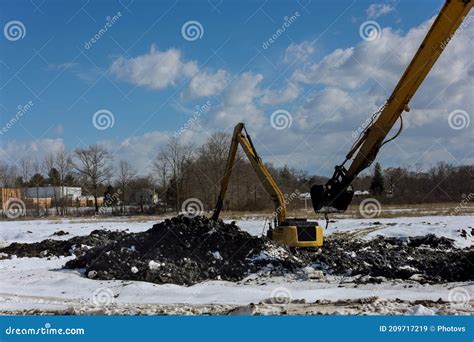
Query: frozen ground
[34, 285]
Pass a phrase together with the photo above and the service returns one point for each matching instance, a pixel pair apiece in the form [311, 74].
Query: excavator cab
[295, 232]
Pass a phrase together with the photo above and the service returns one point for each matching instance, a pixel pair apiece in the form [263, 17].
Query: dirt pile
[185, 251]
[77, 245]
[422, 258]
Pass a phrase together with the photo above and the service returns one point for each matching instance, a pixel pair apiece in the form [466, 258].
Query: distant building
[88, 201]
[56, 192]
[7, 194]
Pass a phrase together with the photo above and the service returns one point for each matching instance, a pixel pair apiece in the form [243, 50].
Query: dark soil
[60, 233]
[190, 250]
[433, 259]
[77, 245]
[181, 251]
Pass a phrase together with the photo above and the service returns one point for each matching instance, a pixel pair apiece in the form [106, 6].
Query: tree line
[182, 171]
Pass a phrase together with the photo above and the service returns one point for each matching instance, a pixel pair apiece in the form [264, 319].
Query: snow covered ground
[37, 285]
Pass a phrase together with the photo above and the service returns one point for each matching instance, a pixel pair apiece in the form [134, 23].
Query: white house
[54, 192]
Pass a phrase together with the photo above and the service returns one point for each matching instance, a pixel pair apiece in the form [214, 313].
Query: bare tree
[48, 166]
[38, 181]
[94, 163]
[178, 157]
[125, 175]
[160, 165]
[8, 175]
[63, 164]
[25, 169]
[209, 166]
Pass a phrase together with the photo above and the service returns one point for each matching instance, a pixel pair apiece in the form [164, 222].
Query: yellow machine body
[293, 237]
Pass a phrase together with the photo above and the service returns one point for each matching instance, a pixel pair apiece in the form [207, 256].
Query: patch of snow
[217, 255]
[408, 268]
[152, 265]
[420, 310]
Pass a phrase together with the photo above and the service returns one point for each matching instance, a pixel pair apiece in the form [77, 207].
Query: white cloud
[139, 150]
[351, 83]
[377, 10]
[239, 102]
[206, 84]
[12, 151]
[155, 70]
[288, 94]
[345, 88]
[299, 52]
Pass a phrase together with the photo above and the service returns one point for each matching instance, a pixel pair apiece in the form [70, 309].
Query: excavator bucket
[332, 199]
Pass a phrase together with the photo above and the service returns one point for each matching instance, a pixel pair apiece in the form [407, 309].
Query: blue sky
[67, 83]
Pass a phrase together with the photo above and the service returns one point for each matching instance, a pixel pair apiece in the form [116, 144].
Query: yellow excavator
[336, 194]
[294, 232]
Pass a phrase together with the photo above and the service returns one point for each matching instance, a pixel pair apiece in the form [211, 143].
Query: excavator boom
[240, 136]
[295, 232]
[336, 194]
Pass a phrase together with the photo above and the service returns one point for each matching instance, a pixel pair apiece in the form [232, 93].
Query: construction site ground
[415, 260]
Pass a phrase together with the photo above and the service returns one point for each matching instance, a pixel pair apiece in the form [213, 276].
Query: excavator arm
[240, 136]
[336, 194]
[293, 232]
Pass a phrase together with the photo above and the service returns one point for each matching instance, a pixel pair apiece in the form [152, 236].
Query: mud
[186, 251]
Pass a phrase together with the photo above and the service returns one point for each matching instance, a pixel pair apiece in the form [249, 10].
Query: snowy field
[40, 285]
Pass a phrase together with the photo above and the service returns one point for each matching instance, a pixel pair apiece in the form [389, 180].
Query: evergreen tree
[53, 177]
[377, 184]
